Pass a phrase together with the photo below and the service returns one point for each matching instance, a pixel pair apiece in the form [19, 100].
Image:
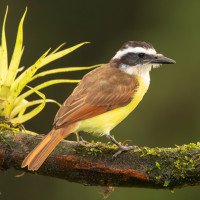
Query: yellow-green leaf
[31, 114]
[3, 53]
[20, 83]
[17, 54]
[25, 77]
[22, 111]
[58, 48]
[26, 104]
[60, 54]
[59, 70]
[41, 86]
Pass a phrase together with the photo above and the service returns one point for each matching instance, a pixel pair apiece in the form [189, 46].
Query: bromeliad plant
[13, 104]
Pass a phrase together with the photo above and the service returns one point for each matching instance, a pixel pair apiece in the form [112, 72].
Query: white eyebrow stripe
[120, 53]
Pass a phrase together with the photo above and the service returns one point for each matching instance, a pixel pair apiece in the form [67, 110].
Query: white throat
[141, 71]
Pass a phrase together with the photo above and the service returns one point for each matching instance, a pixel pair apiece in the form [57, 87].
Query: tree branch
[92, 164]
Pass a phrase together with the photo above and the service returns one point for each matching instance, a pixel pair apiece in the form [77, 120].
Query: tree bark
[92, 163]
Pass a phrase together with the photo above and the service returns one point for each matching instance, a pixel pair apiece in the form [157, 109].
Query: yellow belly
[104, 123]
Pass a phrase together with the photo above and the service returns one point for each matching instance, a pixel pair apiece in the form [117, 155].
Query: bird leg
[121, 148]
[80, 140]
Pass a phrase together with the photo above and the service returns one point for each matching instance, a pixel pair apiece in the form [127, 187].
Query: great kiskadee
[102, 99]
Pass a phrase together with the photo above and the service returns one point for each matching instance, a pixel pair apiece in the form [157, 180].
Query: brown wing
[101, 90]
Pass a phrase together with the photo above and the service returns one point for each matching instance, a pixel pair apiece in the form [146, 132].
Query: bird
[102, 99]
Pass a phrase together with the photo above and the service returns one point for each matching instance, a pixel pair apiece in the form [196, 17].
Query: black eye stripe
[141, 55]
[132, 59]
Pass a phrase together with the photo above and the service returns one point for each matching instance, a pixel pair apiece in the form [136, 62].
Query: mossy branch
[92, 164]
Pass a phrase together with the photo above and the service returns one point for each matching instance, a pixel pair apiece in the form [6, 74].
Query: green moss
[174, 171]
[166, 183]
[188, 146]
[182, 175]
[158, 165]
[186, 158]
[172, 191]
[6, 128]
[95, 149]
[164, 171]
[182, 165]
[147, 151]
[158, 178]
[177, 164]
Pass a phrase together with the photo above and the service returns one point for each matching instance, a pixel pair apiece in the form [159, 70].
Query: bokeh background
[169, 113]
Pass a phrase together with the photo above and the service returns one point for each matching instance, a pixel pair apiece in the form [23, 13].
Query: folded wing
[100, 91]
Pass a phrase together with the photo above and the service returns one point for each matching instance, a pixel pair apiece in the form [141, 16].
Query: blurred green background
[170, 111]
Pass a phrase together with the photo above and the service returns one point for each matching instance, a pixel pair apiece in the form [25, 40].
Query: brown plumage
[39, 154]
[100, 91]
[101, 88]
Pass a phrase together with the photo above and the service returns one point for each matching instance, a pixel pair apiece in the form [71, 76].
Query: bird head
[138, 57]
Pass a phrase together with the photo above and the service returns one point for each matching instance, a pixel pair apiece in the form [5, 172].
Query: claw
[82, 142]
[121, 148]
[124, 148]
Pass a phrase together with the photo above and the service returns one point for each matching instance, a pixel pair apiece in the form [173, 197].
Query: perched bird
[102, 99]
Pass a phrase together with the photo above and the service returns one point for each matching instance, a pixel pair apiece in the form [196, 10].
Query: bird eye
[141, 55]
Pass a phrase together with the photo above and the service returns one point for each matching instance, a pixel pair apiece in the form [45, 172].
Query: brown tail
[39, 154]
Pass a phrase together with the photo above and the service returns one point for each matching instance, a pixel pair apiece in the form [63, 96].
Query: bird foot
[121, 148]
[124, 148]
[82, 142]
